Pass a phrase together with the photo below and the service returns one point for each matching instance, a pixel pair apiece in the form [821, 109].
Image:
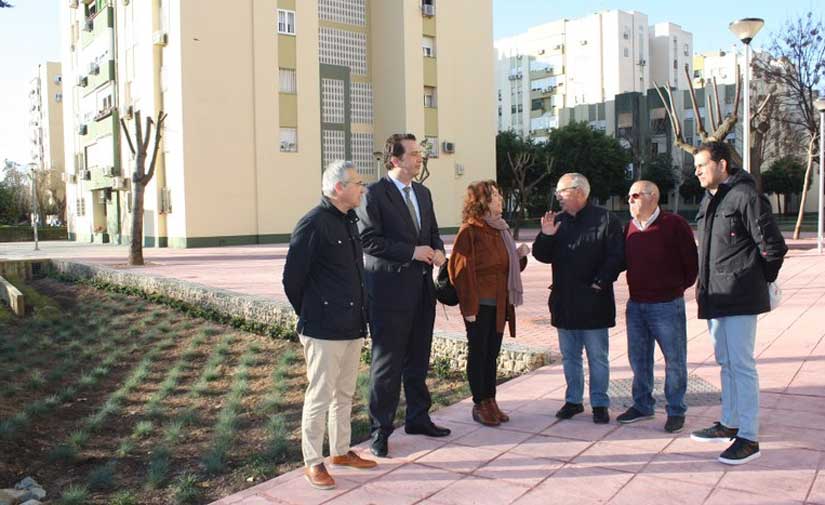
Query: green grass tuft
[186, 489]
[75, 495]
[102, 477]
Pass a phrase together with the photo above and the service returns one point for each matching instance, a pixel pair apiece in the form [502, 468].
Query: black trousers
[483, 346]
[401, 343]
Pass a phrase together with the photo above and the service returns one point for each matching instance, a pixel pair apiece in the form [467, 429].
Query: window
[429, 97]
[289, 140]
[428, 45]
[626, 52]
[80, 207]
[286, 22]
[433, 141]
[537, 105]
[288, 81]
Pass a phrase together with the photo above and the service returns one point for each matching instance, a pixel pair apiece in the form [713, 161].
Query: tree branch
[128, 137]
[158, 135]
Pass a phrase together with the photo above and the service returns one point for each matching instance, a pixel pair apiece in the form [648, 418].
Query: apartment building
[260, 100]
[46, 125]
[585, 61]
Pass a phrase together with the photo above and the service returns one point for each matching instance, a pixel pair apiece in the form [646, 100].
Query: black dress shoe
[430, 429]
[569, 410]
[601, 415]
[379, 444]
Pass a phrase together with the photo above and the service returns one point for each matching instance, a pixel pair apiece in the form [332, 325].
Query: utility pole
[34, 204]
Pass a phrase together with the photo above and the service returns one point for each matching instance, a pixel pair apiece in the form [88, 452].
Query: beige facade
[46, 123]
[259, 101]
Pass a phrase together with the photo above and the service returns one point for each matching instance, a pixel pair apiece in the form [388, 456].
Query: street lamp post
[745, 30]
[819, 103]
[34, 204]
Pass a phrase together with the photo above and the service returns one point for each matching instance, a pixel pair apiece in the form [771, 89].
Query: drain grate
[699, 392]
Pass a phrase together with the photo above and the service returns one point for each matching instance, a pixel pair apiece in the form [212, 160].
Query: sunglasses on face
[636, 196]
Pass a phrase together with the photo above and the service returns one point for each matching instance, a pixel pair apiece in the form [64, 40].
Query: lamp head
[747, 28]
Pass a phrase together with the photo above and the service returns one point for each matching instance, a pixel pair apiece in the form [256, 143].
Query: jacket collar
[327, 205]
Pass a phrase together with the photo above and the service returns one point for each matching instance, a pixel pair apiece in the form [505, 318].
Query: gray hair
[335, 172]
[579, 181]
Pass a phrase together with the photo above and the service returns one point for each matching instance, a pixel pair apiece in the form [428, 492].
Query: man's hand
[470, 319]
[548, 223]
[523, 250]
[439, 258]
[424, 253]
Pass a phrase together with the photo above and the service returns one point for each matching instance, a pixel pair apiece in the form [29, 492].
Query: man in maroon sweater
[662, 262]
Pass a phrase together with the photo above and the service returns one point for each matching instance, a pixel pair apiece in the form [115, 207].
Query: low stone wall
[12, 296]
[271, 317]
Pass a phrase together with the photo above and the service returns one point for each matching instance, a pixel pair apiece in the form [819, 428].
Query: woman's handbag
[444, 290]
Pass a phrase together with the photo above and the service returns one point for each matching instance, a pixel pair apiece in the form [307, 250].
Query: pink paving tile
[576, 485]
[519, 469]
[299, 492]
[648, 490]
[458, 458]
[582, 428]
[722, 496]
[650, 436]
[616, 456]
[776, 455]
[817, 494]
[411, 447]
[416, 480]
[546, 406]
[528, 422]
[259, 500]
[476, 491]
[705, 471]
[493, 438]
[371, 494]
[780, 484]
[543, 446]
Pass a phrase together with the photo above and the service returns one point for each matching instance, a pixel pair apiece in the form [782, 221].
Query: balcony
[104, 75]
[99, 23]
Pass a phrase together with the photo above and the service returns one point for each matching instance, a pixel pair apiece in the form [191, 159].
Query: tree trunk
[136, 241]
[801, 214]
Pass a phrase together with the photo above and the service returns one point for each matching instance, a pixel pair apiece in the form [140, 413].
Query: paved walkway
[537, 459]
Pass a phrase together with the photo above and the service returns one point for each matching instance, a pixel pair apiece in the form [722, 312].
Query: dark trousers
[401, 344]
[483, 346]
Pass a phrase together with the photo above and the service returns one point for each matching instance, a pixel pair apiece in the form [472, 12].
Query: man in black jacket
[740, 251]
[585, 245]
[324, 281]
[401, 245]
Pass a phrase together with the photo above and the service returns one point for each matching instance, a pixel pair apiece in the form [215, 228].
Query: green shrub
[143, 429]
[63, 453]
[158, 471]
[186, 489]
[172, 432]
[75, 495]
[102, 477]
[123, 498]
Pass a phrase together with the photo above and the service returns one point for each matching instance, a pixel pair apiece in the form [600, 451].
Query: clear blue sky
[30, 34]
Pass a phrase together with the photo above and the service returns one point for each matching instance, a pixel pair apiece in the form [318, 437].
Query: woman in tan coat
[485, 268]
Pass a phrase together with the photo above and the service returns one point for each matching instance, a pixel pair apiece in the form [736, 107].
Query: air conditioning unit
[94, 68]
[82, 129]
[428, 10]
[109, 171]
[448, 147]
[642, 62]
[160, 38]
[89, 25]
[69, 178]
[73, 4]
[541, 51]
[82, 81]
[86, 175]
[511, 77]
[120, 183]
[558, 47]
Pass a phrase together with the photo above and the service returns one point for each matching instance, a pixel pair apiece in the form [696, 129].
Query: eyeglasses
[636, 196]
[360, 183]
[562, 190]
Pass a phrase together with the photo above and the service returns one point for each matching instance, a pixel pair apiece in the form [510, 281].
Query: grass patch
[124, 498]
[186, 489]
[102, 478]
[75, 495]
[143, 429]
[158, 471]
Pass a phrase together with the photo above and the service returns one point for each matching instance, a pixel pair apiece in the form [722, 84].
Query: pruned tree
[797, 67]
[520, 165]
[426, 150]
[140, 176]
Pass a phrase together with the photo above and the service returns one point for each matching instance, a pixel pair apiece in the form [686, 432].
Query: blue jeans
[733, 339]
[647, 324]
[595, 343]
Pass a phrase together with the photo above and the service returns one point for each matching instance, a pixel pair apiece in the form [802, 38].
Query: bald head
[643, 198]
[572, 192]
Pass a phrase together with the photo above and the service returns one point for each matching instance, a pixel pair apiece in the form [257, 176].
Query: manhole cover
[699, 392]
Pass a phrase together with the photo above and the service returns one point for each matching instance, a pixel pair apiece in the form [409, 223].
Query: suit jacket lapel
[400, 205]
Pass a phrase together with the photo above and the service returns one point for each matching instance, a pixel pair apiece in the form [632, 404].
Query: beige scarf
[515, 290]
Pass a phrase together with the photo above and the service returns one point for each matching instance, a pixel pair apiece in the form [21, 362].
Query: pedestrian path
[537, 459]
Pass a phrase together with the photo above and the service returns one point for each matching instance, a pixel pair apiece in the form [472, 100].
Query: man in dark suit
[401, 244]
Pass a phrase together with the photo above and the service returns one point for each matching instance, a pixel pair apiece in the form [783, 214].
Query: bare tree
[426, 150]
[140, 177]
[520, 164]
[798, 69]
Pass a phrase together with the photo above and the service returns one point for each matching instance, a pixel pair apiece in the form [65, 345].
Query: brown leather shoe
[482, 413]
[353, 460]
[502, 417]
[318, 477]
